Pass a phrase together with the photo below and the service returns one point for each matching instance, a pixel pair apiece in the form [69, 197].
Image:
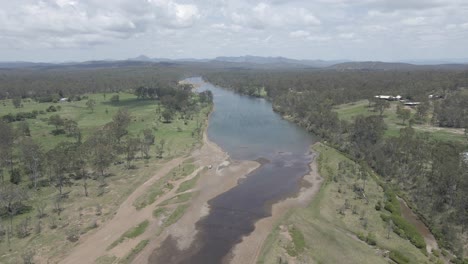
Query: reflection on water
[248, 129]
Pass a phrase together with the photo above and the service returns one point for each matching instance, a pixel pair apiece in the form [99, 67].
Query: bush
[378, 206]
[409, 230]
[22, 229]
[371, 239]
[15, 176]
[73, 234]
[398, 257]
[115, 98]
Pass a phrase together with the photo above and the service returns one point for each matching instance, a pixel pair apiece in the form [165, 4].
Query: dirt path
[94, 245]
[223, 176]
[250, 248]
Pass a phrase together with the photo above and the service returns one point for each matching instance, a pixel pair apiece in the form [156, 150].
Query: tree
[32, 159]
[380, 106]
[131, 148]
[115, 98]
[16, 102]
[102, 153]
[71, 128]
[79, 165]
[389, 228]
[160, 149]
[59, 161]
[7, 138]
[119, 124]
[23, 129]
[56, 121]
[167, 115]
[148, 140]
[403, 114]
[12, 198]
[90, 104]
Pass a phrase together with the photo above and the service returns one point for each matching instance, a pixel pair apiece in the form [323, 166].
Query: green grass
[331, 237]
[181, 198]
[160, 211]
[350, 111]
[176, 215]
[132, 233]
[298, 242]
[130, 256]
[188, 184]
[182, 171]
[162, 186]
[80, 210]
[106, 259]
[157, 189]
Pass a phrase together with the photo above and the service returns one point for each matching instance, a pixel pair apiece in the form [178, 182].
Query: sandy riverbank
[223, 176]
[250, 248]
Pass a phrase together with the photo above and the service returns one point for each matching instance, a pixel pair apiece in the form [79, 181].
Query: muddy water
[411, 217]
[248, 129]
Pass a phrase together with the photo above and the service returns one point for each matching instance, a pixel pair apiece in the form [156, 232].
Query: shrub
[398, 257]
[371, 239]
[73, 234]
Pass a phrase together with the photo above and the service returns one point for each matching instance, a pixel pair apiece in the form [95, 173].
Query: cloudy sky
[64, 30]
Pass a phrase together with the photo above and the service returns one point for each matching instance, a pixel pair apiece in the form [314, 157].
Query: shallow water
[247, 129]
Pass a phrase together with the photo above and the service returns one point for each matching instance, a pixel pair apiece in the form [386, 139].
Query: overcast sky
[64, 30]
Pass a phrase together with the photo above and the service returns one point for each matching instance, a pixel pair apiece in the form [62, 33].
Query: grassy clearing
[328, 227]
[160, 211]
[188, 184]
[182, 171]
[349, 111]
[157, 189]
[105, 197]
[176, 215]
[130, 256]
[181, 198]
[132, 233]
[106, 260]
[164, 184]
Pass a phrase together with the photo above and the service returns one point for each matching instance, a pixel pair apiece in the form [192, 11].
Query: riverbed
[247, 129]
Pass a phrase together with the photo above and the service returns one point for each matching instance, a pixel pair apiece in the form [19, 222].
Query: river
[247, 129]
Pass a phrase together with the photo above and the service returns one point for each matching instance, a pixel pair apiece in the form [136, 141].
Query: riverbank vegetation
[76, 148]
[410, 150]
[349, 215]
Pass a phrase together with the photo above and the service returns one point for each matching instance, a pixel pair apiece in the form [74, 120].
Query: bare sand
[223, 175]
[250, 248]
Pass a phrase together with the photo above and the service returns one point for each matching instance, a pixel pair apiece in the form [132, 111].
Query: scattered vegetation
[132, 233]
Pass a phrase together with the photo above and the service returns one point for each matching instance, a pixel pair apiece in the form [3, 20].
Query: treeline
[26, 167]
[433, 174]
[47, 85]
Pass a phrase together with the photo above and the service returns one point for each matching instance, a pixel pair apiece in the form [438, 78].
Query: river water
[247, 129]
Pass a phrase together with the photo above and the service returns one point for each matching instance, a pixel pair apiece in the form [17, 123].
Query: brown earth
[223, 175]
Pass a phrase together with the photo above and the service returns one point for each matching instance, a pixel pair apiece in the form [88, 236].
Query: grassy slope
[331, 237]
[350, 111]
[82, 211]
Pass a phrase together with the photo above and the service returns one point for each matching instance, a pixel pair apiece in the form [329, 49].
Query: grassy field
[349, 111]
[80, 214]
[328, 230]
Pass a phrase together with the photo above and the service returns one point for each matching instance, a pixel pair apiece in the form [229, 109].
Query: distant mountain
[278, 60]
[394, 66]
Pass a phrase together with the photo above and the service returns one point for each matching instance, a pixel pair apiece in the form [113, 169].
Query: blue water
[247, 129]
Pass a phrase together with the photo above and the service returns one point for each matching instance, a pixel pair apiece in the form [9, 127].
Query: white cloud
[299, 34]
[67, 23]
[264, 15]
[414, 21]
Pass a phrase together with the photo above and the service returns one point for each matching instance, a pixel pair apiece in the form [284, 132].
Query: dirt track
[223, 176]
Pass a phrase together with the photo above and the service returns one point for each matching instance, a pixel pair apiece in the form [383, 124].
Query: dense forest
[60, 82]
[432, 175]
